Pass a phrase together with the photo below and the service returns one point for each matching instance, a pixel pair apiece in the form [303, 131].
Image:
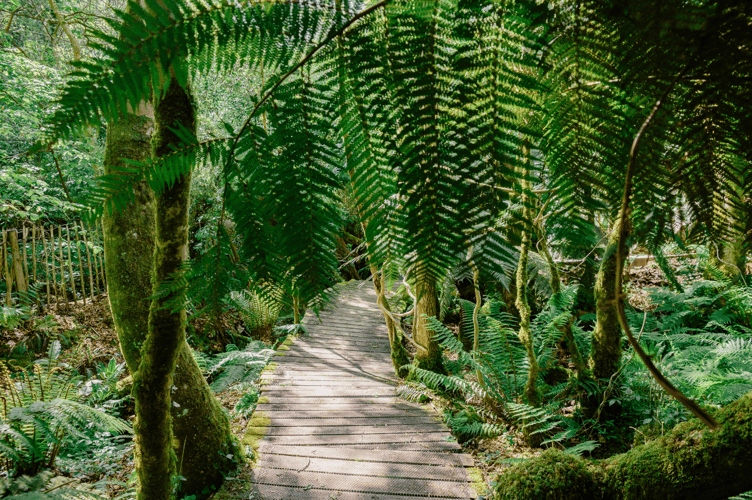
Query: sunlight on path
[337, 429]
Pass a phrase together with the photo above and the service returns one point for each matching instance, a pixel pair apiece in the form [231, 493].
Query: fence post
[80, 263]
[17, 264]
[46, 266]
[6, 271]
[86, 236]
[101, 260]
[34, 252]
[25, 257]
[70, 264]
[63, 291]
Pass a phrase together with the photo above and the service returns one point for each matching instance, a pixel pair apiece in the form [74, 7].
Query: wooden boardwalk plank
[354, 383]
[282, 420]
[339, 439]
[424, 458]
[355, 430]
[273, 492]
[327, 392]
[304, 413]
[362, 484]
[337, 429]
[361, 468]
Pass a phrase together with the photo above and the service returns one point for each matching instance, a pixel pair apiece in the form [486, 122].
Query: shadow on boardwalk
[337, 429]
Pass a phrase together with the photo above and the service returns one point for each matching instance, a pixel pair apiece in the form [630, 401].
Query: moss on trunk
[428, 356]
[398, 351]
[531, 392]
[152, 382]
[203, 438]
[689, 463]
[129, 237]
[606, 350]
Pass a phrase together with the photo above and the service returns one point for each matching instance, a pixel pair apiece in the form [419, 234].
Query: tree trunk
[531, 392]
[428, 356]
[152, 382]
[201, 428]
[567, 335]
[606, 350]
[398, 351]
[690, 463]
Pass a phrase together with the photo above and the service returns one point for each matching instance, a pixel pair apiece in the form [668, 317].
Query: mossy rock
[554, 475]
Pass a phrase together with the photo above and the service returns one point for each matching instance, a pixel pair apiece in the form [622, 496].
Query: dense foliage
[472, 146]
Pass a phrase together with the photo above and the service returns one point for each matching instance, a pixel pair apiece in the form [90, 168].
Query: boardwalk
[336, 428]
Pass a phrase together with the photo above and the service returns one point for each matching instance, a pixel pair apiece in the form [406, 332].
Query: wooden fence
[52, 264]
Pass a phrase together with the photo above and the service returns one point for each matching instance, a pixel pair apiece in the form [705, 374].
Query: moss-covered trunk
[129, 236]
[730, 255]
[691, 462]
[153, 381]
[398, 351]
[428, 356]
[526, 337]
[202, 431]
[606, 350]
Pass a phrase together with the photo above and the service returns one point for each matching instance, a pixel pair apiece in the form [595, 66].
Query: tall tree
[203, 440]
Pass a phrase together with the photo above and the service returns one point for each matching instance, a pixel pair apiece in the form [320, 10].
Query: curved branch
[620, 252]
[334, 34]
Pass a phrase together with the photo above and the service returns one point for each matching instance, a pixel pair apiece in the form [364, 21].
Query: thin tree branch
[620, 252]
[334, 34]
[61, 20]
[60, 173]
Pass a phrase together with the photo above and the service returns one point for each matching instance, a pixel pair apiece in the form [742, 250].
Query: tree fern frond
[212, 34]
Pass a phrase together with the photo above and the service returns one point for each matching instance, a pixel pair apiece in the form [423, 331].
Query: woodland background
[493, 162]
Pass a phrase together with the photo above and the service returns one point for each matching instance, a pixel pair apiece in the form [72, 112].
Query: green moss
[283, 347]
[270, 368]
[280, 353]
[554, 475]
[263, 400]
[124, 387]
[256, 430]
[477, 482]
[691, 462]
[606, 350]
[288, 341]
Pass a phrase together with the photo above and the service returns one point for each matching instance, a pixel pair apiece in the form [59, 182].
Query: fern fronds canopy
[436, 109]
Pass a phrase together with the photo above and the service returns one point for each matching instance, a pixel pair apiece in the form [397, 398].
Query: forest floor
[87, 334]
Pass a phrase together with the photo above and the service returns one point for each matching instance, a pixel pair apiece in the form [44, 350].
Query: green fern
[40, 487]
[234, 366]
[257, 313]
[41, 408]
[703, 336]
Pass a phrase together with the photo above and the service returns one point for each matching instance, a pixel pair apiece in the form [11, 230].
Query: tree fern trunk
[428, 356]
[398, 351]
[566, 330]
[606, 349]
[525, 335]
